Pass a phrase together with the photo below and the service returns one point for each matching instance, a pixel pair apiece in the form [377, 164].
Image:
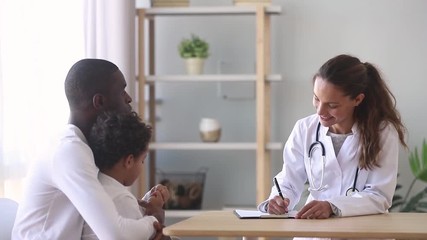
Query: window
[39, 41]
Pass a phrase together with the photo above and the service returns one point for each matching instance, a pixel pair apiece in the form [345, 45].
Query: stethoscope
[321, 187]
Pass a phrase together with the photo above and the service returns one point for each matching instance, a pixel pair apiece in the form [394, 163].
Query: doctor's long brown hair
[378, 107]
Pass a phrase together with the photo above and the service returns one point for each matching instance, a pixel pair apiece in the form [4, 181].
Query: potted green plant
[418, 202]
[194, 50]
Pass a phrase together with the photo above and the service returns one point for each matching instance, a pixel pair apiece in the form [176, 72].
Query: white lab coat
[376, 186]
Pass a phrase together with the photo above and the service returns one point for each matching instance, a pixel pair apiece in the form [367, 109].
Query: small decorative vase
[195, 65]
[210, 130]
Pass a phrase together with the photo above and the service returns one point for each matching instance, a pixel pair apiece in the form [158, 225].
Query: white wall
[389, 33]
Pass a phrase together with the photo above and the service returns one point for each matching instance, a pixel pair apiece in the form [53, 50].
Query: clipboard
[255, 214]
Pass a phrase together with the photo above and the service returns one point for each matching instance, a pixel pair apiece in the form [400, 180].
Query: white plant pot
[195, 65]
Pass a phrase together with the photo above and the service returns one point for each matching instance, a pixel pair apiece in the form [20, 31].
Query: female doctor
[347, 151]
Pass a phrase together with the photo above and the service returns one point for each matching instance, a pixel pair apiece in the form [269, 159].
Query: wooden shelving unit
[210, 78]
[262, 80]
[211, 146]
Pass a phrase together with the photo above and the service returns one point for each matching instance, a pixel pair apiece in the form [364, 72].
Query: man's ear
[98, 101]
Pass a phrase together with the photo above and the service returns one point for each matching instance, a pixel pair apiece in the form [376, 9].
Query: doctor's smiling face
[335, 110]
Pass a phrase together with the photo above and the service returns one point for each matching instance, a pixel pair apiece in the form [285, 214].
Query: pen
[278, 188]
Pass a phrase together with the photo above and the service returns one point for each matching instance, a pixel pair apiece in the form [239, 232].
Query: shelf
[211, 78]
[212, 146]
[262, 79]
[205, 11]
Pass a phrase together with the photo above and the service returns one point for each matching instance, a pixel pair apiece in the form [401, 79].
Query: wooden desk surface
[226, 224]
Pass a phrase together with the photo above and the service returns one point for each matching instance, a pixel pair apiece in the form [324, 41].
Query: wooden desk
[226, 224]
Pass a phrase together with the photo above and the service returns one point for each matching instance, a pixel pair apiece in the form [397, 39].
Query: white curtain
[39, 41]
[110, 34]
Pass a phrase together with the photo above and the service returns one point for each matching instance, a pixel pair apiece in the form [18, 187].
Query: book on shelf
[170, 3]
[252, 1]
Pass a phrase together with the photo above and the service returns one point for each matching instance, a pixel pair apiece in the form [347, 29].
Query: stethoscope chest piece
[351, 191]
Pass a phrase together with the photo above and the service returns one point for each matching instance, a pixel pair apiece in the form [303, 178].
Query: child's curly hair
[117, 135]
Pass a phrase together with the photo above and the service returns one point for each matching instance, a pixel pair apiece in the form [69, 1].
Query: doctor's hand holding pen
[313, 210]
[278, 205]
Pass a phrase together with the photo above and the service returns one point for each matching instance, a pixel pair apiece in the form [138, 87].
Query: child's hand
[156, 199]
[158, 195]
[163, 190]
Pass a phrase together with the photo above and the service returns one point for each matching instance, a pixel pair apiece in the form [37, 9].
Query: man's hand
[153, 210]
[159, 231]
[315, 210]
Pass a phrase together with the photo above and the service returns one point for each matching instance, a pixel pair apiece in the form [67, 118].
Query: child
[119, 143]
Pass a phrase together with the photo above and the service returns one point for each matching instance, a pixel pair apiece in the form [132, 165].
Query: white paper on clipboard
[255, 214]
